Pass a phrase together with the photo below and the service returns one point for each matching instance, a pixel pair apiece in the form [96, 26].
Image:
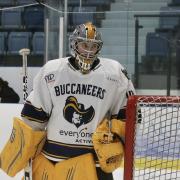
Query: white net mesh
[157, 139]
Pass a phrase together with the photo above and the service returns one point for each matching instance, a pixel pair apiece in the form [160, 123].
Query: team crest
[76, 113]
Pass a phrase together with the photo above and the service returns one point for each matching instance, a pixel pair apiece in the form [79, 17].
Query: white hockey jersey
[73, 104]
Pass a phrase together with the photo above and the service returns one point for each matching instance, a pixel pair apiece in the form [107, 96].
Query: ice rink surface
[7, 112]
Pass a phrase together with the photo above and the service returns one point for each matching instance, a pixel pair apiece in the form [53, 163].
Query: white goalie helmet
[85, 44]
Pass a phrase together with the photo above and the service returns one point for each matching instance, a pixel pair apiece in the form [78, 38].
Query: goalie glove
[108, 147]
[118, 127]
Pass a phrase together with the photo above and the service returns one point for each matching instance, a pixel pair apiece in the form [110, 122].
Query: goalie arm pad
[23, 144]
[108, 147]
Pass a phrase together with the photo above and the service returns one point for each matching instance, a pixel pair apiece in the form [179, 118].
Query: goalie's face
[86, 44]
[87, 49]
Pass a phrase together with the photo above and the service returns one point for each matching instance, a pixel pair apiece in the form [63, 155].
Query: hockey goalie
[73, 122]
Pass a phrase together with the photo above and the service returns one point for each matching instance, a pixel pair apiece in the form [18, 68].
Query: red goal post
[152, 141]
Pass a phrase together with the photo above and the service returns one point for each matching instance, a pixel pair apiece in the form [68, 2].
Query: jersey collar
[74, 65]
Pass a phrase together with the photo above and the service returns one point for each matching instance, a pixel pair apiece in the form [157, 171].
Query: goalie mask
[85, 43]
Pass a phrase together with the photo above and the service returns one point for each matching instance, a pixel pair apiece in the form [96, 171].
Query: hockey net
[152, 143]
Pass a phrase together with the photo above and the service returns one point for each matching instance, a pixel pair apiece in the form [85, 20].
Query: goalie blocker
[23, 144]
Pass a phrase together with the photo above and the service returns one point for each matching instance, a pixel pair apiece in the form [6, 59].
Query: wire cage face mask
[85, 44]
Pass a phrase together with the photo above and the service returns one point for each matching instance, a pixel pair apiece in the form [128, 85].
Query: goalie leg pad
[78, 168]
[42, 168]
[23, 144]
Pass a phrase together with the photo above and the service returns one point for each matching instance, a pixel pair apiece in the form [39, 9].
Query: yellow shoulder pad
[23, 144]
